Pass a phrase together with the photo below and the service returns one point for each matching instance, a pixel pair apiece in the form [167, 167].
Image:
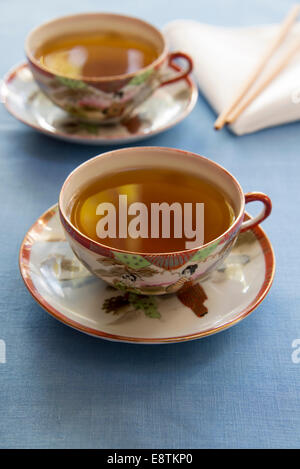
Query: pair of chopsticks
[238, 104]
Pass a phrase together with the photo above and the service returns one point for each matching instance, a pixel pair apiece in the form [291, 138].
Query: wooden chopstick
[273, 74]
[284, 29]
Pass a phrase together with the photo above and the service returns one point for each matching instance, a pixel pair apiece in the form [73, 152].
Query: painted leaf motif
[132, 260]
[70, 83]
[121, 286]
[92, 129]
[202, 254]
[146, 303]
[139, 79]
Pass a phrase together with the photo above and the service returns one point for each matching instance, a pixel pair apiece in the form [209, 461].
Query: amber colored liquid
[148, 186]
[96, 54]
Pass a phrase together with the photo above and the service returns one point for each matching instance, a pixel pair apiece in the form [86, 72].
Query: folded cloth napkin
[224, 58]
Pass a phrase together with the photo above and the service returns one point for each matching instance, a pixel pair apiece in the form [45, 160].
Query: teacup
[99, 99]
[161, 273]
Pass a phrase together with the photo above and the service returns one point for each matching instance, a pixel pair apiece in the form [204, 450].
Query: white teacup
[103, 99]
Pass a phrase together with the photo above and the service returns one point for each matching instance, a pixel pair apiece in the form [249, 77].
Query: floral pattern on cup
[91, 103]
[151, 275]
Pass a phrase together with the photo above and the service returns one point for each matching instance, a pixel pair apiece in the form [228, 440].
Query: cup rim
[237, 222]
[122, 76]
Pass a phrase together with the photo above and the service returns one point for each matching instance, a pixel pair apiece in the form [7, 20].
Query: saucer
[64, 288]
[168, 106]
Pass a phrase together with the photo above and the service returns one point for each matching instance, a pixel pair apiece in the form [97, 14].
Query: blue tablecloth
[62, 389]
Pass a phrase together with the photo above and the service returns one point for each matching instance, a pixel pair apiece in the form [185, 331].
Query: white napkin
[223, 59]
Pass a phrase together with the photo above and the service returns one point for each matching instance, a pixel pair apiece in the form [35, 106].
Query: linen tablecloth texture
[63, 389]
[225, 57]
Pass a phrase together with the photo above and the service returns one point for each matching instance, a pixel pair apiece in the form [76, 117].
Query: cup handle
[181, 74]
[267, 208]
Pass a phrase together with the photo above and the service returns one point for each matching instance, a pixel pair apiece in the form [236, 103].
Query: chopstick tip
[218, 125]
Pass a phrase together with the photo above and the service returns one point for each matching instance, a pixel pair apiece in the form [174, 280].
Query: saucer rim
[91, 139]
[24, 260]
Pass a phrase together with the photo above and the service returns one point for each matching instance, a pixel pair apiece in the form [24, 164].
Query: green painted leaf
[139, 79]
[120, 286]
[202, 254]
[146, 303]
[90, 128]
[70, 83]
[132, 260]
[124, 288]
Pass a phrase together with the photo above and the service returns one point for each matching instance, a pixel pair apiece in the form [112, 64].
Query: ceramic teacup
[162, 272]
[99, 99]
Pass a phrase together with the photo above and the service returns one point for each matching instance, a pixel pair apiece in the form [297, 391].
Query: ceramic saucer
[165, 108]
[64, 288]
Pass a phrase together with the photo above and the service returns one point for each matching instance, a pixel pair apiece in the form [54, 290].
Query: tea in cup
[153, 220]
[99, 67]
